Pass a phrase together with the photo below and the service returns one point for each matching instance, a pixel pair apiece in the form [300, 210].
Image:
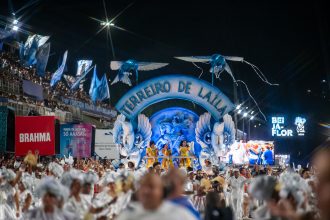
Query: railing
[22, 109]
[9, 87]
[90, 108]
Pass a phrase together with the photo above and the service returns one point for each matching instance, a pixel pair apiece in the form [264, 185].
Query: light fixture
[252, 117]
[245, 114]
[246, 107]
[15, 28]
[107, 23]
[252, 112]
[15, 21]
[238, 107]
[239, 111]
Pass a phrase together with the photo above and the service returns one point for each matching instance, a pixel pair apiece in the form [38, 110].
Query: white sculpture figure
[133, 142]
[214, 141]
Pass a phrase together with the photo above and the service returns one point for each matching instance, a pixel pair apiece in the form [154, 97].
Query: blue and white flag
[24, 49]
[75, 82]
[28, 54]
[103, 89]
[83, 66]
[41, 40]
[42, 59]
[59, 72]
[94, 84]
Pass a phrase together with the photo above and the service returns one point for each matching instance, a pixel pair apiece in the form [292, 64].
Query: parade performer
[50, 190]
[184, 152]
[167, 160]
[25, 194]
[151, 152]
[235, 184]
[9, 201]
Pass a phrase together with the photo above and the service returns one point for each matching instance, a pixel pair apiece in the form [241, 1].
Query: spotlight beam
[105, 10]
[121, 12]
[26, 6]
[89, 39]
[112, 47]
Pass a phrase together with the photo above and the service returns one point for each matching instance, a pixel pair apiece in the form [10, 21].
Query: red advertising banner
[35, 133]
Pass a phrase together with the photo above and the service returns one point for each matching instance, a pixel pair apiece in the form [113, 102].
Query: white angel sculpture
[133, 141]
[214, 141]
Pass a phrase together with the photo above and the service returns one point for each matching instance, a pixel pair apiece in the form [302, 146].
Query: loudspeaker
[7, 129]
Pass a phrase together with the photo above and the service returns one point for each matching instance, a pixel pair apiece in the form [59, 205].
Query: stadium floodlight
[238, 107]
[252, 117]
[15, 28]
[245, 114]
[252, 112]
[107, 23]
[239, 111]
[15, 21]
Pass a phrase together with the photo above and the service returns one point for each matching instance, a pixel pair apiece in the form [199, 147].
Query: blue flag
[1, 44]
[99, 89]
[103, 89]
[59, 72]
[42, 59]
[94, 85]
[80, 80]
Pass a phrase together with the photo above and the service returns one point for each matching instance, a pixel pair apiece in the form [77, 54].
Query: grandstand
[28, 94]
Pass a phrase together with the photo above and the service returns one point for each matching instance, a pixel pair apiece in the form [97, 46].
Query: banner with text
[35, 133]
[76, 140]
[104, 144]
[174, 87]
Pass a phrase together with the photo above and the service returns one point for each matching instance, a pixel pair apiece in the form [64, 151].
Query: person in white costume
[108, 197]
[152, 206]
[76, 204]
[235, 184]
[9, 202]
[50, 190]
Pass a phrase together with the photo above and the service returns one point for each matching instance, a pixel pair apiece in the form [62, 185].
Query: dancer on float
[184, 154]
[152, 153]
[167, 160]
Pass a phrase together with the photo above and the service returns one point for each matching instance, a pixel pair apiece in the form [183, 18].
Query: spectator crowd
[11, 71]
[37, 187]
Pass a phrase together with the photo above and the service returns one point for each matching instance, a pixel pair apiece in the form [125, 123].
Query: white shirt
[166, 211]
[236, 185]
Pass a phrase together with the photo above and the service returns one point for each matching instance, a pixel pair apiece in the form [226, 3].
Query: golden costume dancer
[151, 152]
[167, 161]
[184, 152]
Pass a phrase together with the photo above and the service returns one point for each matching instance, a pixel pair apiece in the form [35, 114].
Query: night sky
[287, 40]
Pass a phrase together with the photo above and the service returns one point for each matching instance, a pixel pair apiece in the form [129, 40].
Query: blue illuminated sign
[174, 87]
[283, 127]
